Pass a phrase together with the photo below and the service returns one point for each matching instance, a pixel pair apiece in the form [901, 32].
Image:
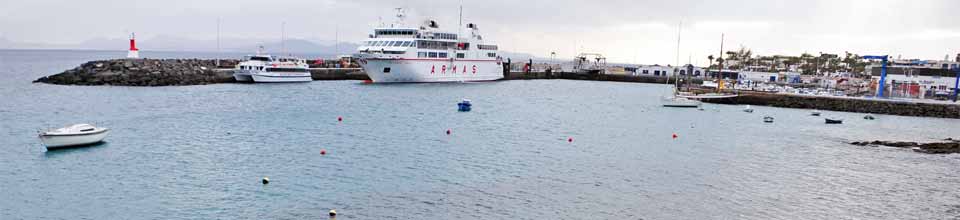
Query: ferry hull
[431, 70]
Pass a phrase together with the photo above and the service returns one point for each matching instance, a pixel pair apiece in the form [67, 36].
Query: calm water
[199, 152]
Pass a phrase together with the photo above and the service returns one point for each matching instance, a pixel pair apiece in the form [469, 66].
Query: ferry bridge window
[646, 72]
[405, 44]
[443, 55]
[422, 54]
[432, 54]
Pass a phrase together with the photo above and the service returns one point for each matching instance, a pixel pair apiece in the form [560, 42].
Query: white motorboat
[73, 135]
[748, 109]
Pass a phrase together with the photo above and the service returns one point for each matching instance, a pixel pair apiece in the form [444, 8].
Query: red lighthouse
[133, 53]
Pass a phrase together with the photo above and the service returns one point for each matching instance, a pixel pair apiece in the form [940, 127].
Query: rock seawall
[142, 72]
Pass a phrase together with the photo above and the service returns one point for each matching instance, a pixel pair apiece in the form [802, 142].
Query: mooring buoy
[265, 181]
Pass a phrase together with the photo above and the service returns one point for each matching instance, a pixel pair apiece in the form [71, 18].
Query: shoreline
[183, 72]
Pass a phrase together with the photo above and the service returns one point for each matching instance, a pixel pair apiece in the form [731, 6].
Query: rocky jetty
[950, 146]
[143, 72]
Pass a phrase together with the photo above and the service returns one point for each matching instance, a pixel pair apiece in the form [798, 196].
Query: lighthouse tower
[133, 53]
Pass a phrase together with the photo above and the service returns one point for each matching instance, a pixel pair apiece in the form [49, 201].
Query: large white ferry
[426, 54]
[265, 68]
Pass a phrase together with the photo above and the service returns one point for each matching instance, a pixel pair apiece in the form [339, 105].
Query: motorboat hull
[242, 76]
[267, 77]
[73, 140]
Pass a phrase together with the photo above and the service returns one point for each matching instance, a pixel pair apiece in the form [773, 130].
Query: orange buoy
[323, 152]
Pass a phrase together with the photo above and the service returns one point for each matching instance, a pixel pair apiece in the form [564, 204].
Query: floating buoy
[265, 181]
[448, 131]
[675, 136]
[333, 213]
[323, 152]
[570, 140]
[340, 119]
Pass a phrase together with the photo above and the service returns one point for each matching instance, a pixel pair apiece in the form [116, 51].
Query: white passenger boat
[269, 69]
[424, 53]
[73, 135]
[244, 70]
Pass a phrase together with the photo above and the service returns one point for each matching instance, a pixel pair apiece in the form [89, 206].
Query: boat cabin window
[435, 45]
[491, 54]
[487, 47]
[405, 44]
[422, 54]
[86, 129]
[443, 55]
[260, 58]
[397, 43]
[461, 55]
[289, 70]
[432, 55]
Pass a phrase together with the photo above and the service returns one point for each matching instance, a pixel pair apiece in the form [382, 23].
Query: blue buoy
[464, 106]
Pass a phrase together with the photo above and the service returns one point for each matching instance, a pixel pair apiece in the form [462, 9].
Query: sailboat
[675, 100]
[720, 84]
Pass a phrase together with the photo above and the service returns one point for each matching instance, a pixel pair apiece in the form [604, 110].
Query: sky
[626, 31]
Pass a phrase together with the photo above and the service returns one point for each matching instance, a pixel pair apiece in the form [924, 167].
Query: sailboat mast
[677, 66]
[720, 73]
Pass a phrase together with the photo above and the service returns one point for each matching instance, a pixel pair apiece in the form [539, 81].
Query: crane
[883, 72]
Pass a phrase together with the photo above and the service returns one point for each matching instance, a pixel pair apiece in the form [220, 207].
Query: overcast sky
[643, 31]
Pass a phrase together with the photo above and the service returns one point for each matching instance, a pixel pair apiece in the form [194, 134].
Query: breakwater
[170, 72]
[594, 77]
[845, 104]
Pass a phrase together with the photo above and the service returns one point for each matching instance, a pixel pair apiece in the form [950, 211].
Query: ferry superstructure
[400, 54]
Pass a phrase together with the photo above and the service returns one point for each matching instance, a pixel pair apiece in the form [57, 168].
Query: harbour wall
[170, 72]
[844, 104]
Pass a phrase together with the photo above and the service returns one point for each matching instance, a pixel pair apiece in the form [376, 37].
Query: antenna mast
[283, 37]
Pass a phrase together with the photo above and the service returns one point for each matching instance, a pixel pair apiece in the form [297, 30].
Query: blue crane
[883, 72]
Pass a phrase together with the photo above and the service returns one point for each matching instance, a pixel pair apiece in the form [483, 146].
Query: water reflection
[62, 151]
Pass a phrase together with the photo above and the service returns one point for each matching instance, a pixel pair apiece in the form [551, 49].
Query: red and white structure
[133, 53]
[426, 54]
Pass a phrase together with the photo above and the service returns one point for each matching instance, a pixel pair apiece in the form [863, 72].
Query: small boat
[815, 113]
[768, 119]
[464, 106]
[748, 109]
[869, 117]
[73, 135]
[834, 121]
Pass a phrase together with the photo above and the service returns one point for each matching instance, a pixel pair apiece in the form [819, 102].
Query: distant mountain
[238, 45]
[171, 43]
